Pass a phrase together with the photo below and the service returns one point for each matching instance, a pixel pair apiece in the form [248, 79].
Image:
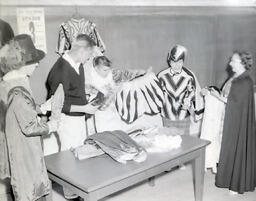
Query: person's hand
[44, 119]
[90, 109]
[46, 106]
[214, 92]
[186, 104]
[53, 125]
[205, 91]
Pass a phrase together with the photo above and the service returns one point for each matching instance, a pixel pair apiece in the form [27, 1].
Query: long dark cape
[237, 163]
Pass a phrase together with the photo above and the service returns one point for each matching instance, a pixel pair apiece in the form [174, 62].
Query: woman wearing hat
[21, 142]
[237, 160]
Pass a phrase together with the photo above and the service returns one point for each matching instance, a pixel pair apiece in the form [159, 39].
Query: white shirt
[71, 62]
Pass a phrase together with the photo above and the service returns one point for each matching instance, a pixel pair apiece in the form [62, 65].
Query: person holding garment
[22, 127]
[181, 91]
[68, 70]
[237, 161]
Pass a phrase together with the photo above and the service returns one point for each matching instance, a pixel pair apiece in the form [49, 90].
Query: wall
[139, 37]
[133, 3]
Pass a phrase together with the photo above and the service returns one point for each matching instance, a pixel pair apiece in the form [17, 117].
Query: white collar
[14, 75]
[69, 59]
[175, 73]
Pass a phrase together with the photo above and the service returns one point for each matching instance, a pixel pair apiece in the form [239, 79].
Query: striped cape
[143, 95]
[69, 30]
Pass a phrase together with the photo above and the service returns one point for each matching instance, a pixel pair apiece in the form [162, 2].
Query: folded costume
[117, 144]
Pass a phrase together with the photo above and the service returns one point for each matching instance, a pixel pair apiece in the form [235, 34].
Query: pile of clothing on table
[123, 147]
[157, 139]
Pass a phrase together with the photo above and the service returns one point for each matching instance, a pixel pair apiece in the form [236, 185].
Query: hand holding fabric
[53, 126]
[205, 91]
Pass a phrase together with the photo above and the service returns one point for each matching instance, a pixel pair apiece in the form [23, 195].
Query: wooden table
[95, 178]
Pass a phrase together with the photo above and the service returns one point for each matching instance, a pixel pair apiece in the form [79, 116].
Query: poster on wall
[31, 21]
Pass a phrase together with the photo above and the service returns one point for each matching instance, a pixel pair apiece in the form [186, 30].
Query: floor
[175, 185]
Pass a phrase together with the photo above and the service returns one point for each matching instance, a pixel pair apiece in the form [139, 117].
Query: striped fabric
[140, 96]
[70, 29]
[178, 88]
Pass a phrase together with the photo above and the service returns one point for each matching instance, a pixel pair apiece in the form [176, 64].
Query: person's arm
[57, 77]
[26, 116]
[189, 97]
[205, 91]
[88, 108]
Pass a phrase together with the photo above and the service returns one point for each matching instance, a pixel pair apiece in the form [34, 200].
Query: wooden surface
[98, 177]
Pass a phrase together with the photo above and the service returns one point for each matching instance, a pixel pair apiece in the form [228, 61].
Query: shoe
[68, 194]
[78, 199]
[182, 167]
[232, 192]
[72, 197]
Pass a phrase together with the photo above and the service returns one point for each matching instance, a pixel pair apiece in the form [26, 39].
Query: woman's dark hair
[246, 59]
[101, 60]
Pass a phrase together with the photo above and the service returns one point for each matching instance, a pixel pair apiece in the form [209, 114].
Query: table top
[94, 173]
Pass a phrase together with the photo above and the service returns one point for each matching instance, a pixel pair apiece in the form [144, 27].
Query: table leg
[151, 181]
[198, 170]
[89, 198]
[49, 196]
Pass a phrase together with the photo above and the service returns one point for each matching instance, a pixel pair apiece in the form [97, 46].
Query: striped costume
[69, 30]
[180, 88]
[142, 95]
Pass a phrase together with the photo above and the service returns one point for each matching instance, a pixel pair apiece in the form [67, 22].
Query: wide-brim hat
[31, 54]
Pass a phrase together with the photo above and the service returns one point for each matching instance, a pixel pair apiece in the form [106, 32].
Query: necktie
[81, 73]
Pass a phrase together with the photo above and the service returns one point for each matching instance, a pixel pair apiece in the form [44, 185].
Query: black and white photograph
[120, 100]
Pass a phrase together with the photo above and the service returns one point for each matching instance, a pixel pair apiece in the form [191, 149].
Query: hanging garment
[179, 88]
[211, 129]
[143, 95]
[70, 29]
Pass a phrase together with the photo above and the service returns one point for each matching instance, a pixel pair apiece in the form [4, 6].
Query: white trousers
[72, 131]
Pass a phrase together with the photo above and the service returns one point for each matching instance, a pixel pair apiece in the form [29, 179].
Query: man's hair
[83, 40]
[177, 53]
[101, 60]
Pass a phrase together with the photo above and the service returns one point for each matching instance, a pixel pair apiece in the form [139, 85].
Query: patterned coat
[23, 131]
[9, 81]
[180, 88]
